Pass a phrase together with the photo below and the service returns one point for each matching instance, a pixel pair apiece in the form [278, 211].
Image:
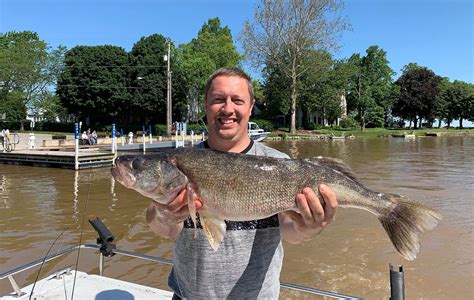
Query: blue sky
[437, 34]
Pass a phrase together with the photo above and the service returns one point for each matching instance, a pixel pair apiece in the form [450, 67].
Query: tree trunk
[362, 119]
[439, 123]
[460, 123]
[293, 104]
[421, 123]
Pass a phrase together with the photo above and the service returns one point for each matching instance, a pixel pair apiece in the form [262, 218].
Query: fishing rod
[43, 261]
[81, 234]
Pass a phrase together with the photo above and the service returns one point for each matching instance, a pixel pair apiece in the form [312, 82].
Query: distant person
[93, 138]
[85, 138]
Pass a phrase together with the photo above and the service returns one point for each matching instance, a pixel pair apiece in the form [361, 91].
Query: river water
[351, 256]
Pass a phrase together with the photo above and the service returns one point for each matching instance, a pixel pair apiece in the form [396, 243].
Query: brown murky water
[351, 256]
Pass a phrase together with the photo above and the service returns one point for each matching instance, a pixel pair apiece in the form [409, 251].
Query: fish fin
[404, 223]
[214, 228]
[191, 195]
[333, 163]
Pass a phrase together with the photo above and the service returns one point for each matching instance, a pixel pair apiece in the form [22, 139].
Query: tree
[372, 89]
[321, 88]
[94, 84]
[285, 32]
[440, 105]
[460, 102]
[29, 69]
[418, 91]
[213, 48]
[148, 80]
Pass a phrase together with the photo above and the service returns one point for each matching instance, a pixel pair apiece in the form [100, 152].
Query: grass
[368, 132]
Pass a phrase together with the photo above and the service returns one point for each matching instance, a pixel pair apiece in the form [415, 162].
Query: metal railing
[9, 274]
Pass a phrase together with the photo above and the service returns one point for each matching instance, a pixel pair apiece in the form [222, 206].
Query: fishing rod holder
[397, 283]
[105, 238]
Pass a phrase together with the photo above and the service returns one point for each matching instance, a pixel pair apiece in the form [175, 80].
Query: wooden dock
[88, 158]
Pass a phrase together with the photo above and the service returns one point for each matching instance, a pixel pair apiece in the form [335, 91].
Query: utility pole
[167, 58]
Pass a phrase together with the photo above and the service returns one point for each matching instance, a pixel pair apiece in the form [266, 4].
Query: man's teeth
[227, 121]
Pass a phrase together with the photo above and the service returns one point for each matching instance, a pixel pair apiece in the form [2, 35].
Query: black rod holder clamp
[105, 238]
[397, 283]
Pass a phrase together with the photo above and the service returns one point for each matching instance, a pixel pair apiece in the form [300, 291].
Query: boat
[70, 283]
[256, 133]
[404, 135]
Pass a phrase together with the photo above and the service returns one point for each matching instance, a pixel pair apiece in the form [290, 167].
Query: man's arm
[296, 227]
[167, 219]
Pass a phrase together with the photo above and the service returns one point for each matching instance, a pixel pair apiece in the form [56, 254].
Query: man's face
[228, 109]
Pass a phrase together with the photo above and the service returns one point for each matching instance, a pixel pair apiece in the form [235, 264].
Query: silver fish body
[238, 187]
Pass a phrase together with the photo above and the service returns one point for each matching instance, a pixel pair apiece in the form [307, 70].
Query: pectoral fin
[214, 228]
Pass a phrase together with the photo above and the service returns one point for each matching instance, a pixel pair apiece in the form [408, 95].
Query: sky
[437, 34]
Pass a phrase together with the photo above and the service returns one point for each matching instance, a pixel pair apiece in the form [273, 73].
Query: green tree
[321, 87]
[94, 84]
[28, 70]
[440, 105]
[285, 32]
[148, 79]
[213, 48]
[372, 87]
[460, 102]
[418, 91]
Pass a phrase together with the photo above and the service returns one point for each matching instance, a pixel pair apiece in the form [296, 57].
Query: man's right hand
[167, 219]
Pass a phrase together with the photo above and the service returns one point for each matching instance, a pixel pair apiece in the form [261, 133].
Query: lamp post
[167, 58]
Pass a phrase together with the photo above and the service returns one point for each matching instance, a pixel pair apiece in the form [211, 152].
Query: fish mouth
[122, 173]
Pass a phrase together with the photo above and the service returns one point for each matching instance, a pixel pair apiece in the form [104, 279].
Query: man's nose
[228, 106]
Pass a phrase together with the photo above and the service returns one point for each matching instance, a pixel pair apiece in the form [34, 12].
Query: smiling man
[248, 262]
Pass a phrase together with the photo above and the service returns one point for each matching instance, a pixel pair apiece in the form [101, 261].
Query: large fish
[239, 187]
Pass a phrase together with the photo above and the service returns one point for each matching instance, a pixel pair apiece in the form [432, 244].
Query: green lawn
[372, 132]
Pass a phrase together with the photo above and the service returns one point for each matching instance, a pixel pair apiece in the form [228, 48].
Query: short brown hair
[230, 72]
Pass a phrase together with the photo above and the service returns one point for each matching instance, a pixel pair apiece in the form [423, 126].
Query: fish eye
[137, 163]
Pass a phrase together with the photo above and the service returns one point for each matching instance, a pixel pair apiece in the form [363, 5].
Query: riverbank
[369, 132]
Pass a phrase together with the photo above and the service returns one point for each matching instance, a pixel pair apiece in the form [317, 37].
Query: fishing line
[82, 231]
[44, 259]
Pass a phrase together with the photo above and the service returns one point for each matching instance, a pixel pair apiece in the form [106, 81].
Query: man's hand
[167, 219]
[313, 215]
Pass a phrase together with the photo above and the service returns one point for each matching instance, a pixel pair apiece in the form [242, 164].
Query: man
[248, 262]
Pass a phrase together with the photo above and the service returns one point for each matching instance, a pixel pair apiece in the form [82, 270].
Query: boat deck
[61, 286]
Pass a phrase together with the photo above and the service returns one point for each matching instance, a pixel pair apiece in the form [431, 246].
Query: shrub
[349, 123]
[264, 124]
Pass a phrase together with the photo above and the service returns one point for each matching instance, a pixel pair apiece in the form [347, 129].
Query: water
[351, 256]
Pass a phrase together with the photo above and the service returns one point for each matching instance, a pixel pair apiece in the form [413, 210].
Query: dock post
[76, 146]
[144, 137]
[151, 137]
[114, 143]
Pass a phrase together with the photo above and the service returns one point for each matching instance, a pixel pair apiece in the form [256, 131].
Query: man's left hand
[312, 217]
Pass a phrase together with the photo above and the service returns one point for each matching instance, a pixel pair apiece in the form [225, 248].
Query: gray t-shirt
[247, 264]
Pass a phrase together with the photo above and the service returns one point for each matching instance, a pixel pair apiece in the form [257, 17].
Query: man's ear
[251, 107]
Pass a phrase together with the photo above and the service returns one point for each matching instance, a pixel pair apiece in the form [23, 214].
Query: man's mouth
[226, 122]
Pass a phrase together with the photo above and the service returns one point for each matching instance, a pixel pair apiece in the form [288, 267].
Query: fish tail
[405, 221]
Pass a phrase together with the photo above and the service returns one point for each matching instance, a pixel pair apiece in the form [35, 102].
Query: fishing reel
[105, 238]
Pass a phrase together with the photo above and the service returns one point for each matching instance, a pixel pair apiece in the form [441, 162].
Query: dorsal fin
[333, 163]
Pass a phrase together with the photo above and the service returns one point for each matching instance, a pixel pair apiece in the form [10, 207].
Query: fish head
[154, 176]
